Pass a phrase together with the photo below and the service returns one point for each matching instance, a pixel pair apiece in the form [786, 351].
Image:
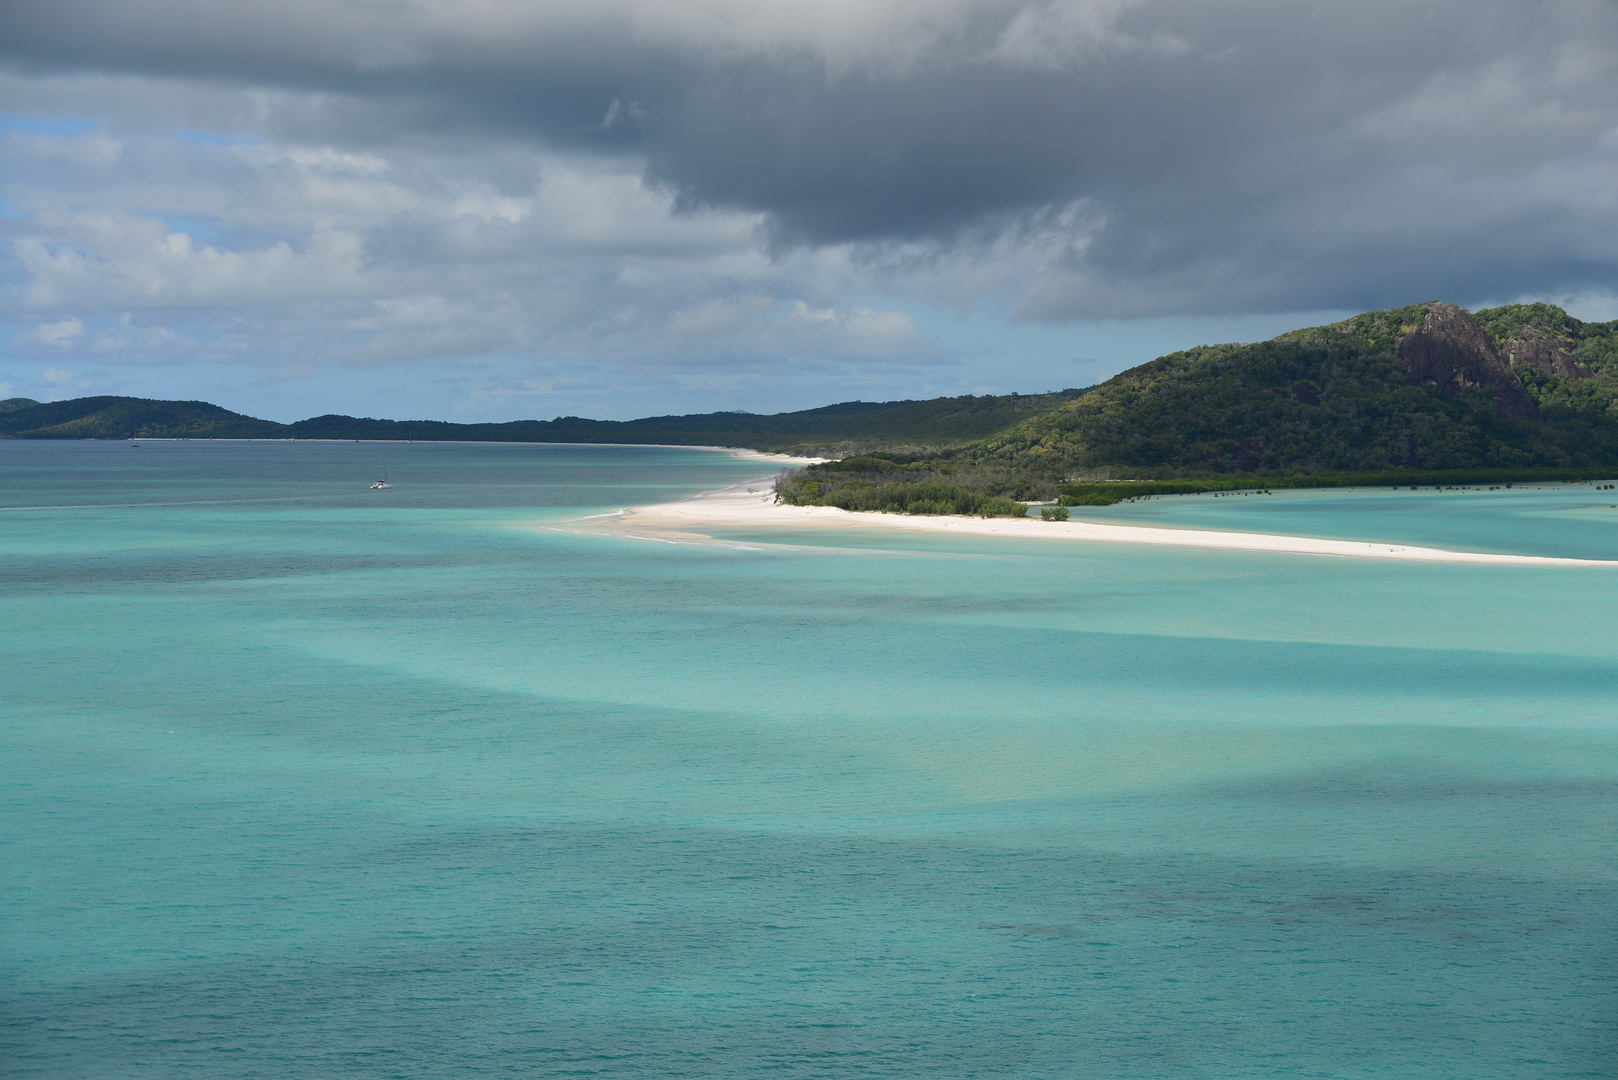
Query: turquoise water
[1575, 521]
[304, 780]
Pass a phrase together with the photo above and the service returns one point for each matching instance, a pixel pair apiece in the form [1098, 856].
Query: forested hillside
[129, 418]
[1426, 387]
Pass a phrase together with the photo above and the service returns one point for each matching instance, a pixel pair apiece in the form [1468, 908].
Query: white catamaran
[382, 483]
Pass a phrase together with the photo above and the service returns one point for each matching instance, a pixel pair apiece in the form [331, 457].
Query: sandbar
[751, 507]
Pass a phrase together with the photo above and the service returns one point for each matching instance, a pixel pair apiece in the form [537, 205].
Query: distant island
[1429, 394]
[833, 431]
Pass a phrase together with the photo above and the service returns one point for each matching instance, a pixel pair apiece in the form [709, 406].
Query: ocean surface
[300, 779]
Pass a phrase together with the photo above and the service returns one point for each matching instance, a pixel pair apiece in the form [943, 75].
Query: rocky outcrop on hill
[1532, 349]
[1450, 350]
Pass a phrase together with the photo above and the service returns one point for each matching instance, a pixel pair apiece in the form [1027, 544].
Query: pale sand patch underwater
[752, 507]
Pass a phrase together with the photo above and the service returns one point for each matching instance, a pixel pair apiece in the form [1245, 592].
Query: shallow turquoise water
[1576, 521]
[306, 780]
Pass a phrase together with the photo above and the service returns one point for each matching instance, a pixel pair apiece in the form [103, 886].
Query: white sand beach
[737, 452]
[759, 455]
[752, 507]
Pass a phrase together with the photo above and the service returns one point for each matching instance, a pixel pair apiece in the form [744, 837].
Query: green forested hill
[1426, 387]
[913, 426]
[1338, 398]
[130, 418]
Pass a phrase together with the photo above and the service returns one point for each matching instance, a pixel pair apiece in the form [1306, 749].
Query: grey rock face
[1451, 351]
[1530, 348]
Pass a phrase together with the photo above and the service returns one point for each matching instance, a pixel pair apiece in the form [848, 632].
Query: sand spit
[741, 454]
[752, 507]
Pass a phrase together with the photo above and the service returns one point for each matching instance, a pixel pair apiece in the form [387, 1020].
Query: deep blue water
[304, 780]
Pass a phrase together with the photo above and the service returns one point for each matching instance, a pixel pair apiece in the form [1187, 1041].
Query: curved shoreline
[752, 506]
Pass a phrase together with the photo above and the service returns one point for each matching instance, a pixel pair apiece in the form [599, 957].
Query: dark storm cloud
[1125, 158]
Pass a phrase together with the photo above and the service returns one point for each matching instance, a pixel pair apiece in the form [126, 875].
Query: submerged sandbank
[752, 507]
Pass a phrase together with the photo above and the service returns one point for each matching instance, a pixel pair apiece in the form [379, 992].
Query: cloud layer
[726, 190]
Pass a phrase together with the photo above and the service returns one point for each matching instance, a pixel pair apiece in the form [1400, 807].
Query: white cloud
[111, 260]
[93, 151]
[132, 343]
[365, 260]
[854, 333]
[62, 334]
[1069, 33]
[719, 318]
[63, 383]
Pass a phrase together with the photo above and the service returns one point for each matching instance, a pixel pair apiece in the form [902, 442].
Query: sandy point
[740, 453]
[751, 507]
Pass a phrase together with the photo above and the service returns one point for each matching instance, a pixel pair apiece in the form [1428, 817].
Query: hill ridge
[1424, 387]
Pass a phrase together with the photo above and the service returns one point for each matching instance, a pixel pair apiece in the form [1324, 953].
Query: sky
[490, 210]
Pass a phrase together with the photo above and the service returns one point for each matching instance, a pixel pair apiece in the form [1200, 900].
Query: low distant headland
[1428, 394]
[832, 431]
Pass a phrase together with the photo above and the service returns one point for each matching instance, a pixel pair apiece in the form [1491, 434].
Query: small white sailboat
[382, 483]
